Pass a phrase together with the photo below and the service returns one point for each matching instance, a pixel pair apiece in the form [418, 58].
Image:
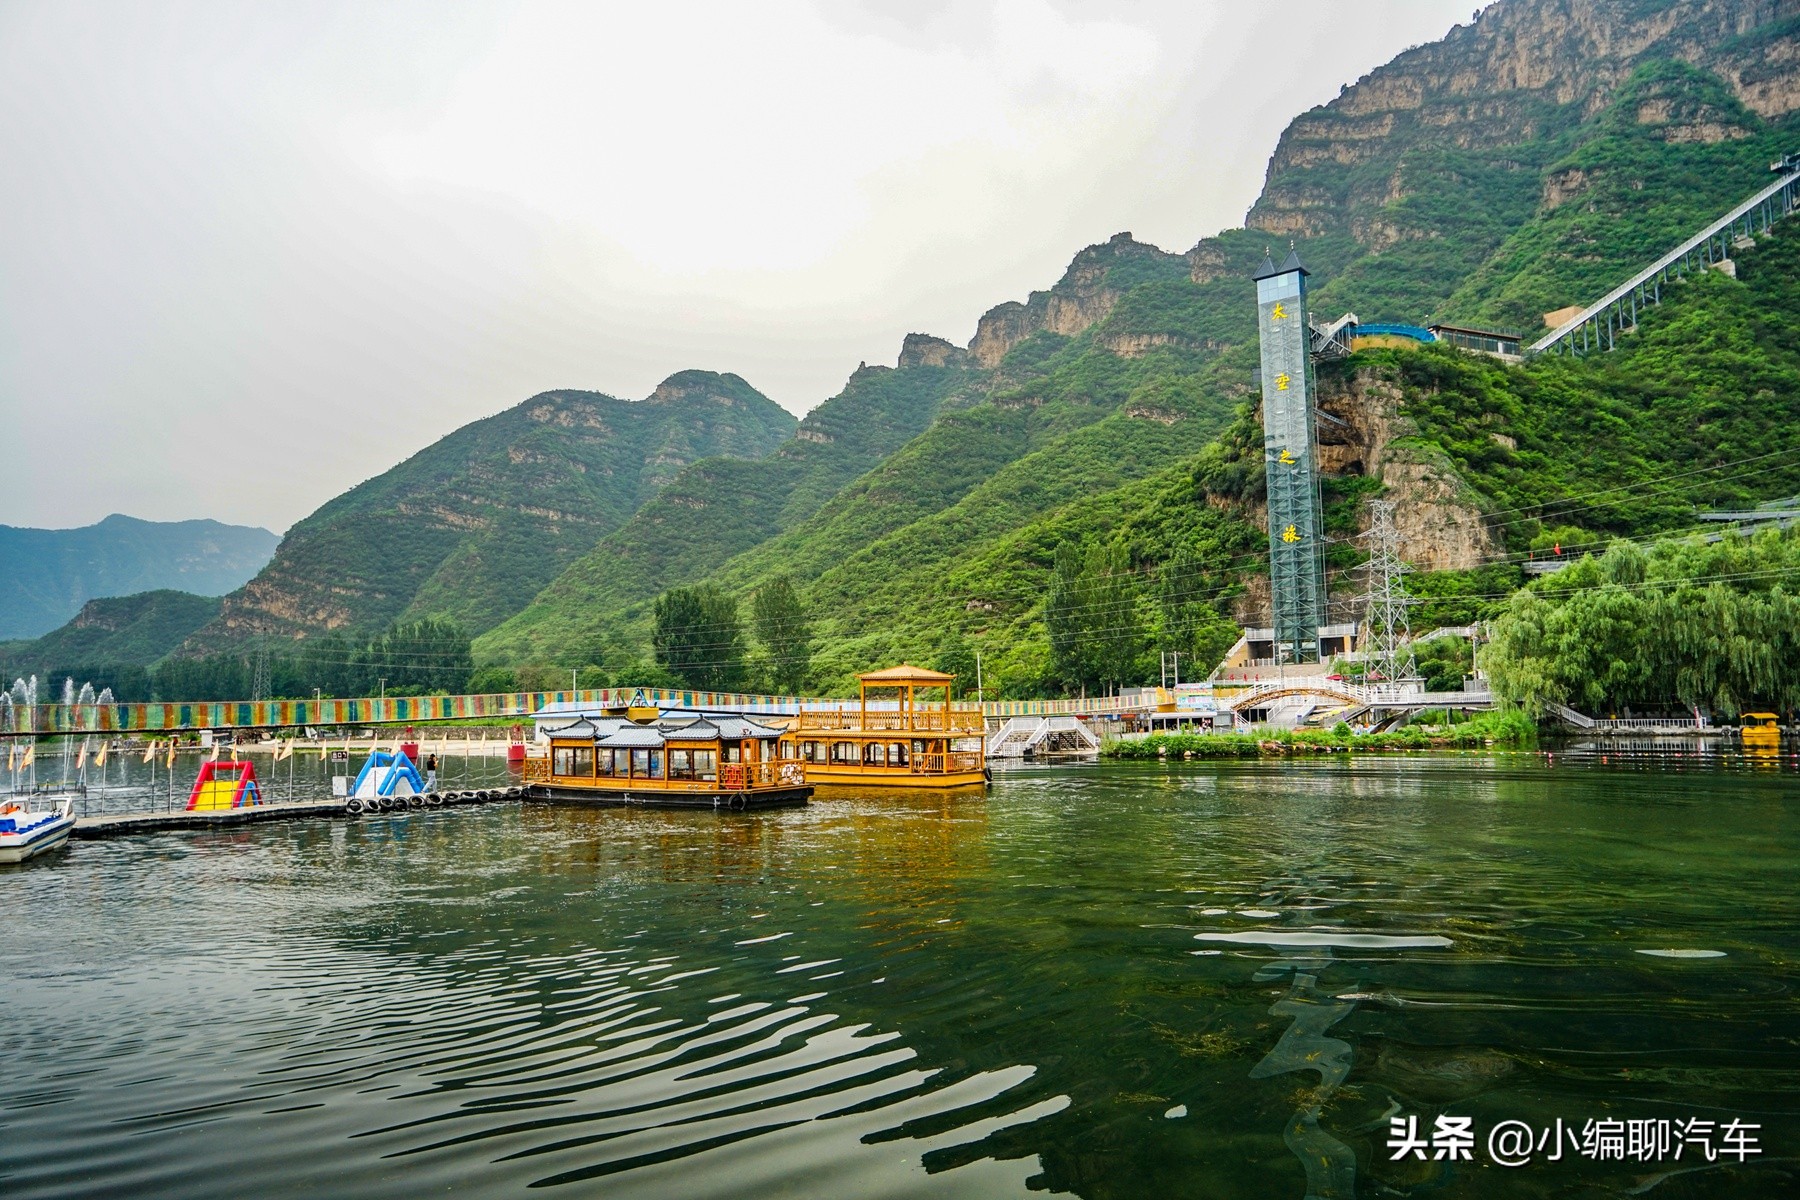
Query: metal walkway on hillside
[1598, 326]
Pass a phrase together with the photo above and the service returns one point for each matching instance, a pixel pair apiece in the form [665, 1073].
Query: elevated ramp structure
[1029, 737]
[1598, 326]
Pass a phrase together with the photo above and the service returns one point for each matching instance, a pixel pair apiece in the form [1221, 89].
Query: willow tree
[1689, 625]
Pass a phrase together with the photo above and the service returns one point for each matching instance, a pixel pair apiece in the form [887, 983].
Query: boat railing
[946, 764]
[537, 770]
[924, 721]
[741, 776]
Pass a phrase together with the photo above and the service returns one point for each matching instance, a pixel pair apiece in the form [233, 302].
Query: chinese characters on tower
[1290, 458]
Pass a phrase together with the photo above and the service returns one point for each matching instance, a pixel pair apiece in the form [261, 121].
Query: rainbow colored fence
[50, 719]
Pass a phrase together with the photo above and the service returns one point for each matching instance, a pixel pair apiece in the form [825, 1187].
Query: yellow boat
[1761, 731]
[710, 760]
[907, 740]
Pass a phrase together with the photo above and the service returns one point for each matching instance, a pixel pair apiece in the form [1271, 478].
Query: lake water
[1205, 980]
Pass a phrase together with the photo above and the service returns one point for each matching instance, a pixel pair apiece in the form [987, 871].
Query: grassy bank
[1512, 729]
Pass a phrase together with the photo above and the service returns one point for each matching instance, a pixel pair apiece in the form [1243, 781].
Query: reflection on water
[1213, 980]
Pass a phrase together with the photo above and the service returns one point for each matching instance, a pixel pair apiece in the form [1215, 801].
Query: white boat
[24, 832]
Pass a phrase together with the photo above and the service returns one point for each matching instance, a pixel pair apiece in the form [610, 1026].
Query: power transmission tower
[259, 684]
[1387, 637]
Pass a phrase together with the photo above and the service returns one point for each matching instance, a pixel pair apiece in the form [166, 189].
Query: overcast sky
[251, 254]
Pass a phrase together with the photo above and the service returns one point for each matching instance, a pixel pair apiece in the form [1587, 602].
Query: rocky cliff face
[923, 350]
[1522, 69]
[1439, 518]
[1084, 296]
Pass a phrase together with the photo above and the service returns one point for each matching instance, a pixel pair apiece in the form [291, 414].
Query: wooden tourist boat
[893, 737]
[706, 760]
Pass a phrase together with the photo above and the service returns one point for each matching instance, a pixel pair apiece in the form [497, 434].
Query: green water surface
[1192, 980]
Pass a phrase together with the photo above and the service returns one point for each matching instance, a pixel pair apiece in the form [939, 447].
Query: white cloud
[296, 243]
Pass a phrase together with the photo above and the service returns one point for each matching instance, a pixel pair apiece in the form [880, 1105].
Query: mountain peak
[924, 350]
[1522, 70]
[683, 385]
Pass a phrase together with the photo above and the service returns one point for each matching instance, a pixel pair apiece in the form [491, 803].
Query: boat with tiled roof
[708, 760]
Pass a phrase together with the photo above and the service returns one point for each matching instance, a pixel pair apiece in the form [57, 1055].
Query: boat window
[583, 764]
[732, 753]
[562, 761]
[656, 764]
[919, 747]
[681, 764]
[787, 749]
[603, 763]
[640, 764]
[897, 754]
[809, 751]
[843, 752]
[875, 754]
[706, 764]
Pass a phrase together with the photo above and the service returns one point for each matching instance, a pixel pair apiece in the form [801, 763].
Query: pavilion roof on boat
[619, 733]
[904, 674]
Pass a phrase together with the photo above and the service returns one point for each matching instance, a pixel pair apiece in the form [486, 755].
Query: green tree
[1188, 622]
[699, 637]
[786, 635]
[1093, 616]
[1686, 625]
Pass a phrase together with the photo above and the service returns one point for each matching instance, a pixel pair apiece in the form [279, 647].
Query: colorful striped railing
[380, 710]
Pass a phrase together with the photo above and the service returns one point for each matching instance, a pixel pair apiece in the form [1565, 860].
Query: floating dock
[123, 824]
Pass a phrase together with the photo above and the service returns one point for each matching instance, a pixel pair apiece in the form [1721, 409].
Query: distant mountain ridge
[134, 631]
[475, 524]
[47, 575]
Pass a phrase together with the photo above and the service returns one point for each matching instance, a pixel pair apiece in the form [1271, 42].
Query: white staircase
[1022, 737]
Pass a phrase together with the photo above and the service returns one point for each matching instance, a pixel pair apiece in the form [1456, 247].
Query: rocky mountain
[719, 507]
[475, 524]
[46, 575]
[1527, 161]
[1509, 111]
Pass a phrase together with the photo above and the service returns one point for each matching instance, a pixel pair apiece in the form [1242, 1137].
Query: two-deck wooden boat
[706, 760]
[903, 732]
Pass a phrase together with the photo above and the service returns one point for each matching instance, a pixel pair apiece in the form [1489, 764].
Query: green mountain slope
[1527, 161]
[718, 507]
[46, 575]
[121, 630]
[473, 525]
